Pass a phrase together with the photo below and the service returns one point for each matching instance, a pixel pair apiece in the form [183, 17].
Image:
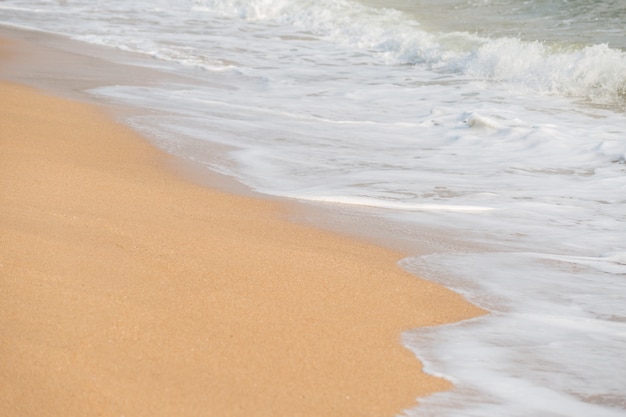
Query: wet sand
[127, 290]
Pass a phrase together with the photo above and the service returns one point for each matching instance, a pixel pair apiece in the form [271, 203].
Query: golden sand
[125, 290]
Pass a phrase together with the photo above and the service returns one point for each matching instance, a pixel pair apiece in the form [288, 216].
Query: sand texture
[127, 291]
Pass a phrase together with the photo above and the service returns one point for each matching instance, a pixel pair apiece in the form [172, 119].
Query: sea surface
[499, 123]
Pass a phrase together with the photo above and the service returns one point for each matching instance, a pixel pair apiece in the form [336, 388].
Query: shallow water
[499, 121]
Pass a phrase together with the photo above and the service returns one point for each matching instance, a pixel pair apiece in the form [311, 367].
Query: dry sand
[127, 291]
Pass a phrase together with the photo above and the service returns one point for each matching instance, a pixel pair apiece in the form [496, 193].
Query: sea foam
[504, 154]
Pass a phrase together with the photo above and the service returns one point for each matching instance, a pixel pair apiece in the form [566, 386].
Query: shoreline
[131, 290]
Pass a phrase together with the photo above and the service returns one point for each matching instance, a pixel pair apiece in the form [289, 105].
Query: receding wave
[595, 73]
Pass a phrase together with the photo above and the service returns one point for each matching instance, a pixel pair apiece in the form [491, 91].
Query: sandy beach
[127, 290]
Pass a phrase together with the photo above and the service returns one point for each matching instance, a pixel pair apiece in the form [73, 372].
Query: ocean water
[499, 123]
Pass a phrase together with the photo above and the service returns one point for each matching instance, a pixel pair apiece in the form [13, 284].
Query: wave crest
[595, 73]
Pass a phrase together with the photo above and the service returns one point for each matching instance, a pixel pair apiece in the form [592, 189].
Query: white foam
[596, 73]
[370, 202]
[612, 263]
[540, 352]
[473, 135]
